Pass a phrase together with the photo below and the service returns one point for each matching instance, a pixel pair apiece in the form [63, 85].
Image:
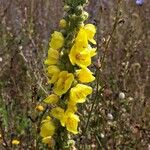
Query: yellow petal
[39, 108]
[70, 120]
[90, 30]
[64, 82]
[82, 39]
[57, 40]
[71, 106]
[57, 112]
[53, 73]
[53, 56]
[15, 142]
[51, 99]
[85, 75]
[79, 92]
[47, 128]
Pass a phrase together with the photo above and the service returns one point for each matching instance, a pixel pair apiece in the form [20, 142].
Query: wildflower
[53, 72]
[90, 30]
[15, 142]
[62, 23]
[85, 75]
[47, 127]
[57, 112]
[51, 99]
[139, 2]
[80, 56]
[64, 82]
[71, 106]
[53, 56]
[57, 40]
[39, 108]
[70, 120]
[79, 92]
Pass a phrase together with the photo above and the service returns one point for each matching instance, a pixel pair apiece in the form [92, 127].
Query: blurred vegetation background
[117, 115]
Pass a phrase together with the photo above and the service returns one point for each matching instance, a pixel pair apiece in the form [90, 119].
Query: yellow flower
[85, 75]
[57, 112]
[79, 92]
[71, 106]
[90, 30]
[62, 23]
[15, 142]
[70, 120]
[81, 39]
[64, 82]
[53, 56]
[47, 127]
[57, 40]
[80, 56]
[53, 72]
[39, 108]
[51, 99]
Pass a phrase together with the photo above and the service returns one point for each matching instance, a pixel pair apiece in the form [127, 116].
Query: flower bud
[79, 10]
[66, 8]
[85, 15]
[62, 23]
[39, 108]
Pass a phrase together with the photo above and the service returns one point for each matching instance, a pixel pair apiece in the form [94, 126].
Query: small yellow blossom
[70, 120]
[15, 142]
[71, 106]
[62, 23]
[79, 92]
[53, 72]
[51, 99]
[47, 127]
[53, 56]
[57, 40]
[80, 56]
[64, 82]
[39, 108]
[90, 30]
[85, 75]
[57, 112]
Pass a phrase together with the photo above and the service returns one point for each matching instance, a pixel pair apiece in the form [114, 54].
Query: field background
[107, 121]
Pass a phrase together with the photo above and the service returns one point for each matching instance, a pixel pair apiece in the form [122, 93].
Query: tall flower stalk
[69, 56]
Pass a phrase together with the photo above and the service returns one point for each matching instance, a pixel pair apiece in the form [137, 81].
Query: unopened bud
[66, 8]
[62, 23]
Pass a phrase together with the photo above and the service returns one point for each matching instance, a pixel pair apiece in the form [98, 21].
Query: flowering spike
[70, 53]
